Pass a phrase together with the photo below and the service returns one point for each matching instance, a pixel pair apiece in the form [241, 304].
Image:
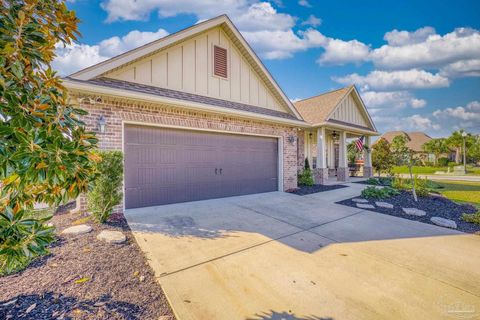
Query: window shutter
[220, 62]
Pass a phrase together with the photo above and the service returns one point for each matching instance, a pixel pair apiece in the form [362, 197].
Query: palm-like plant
[436, 147]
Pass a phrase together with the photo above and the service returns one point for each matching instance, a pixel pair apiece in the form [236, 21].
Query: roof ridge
[321, 94]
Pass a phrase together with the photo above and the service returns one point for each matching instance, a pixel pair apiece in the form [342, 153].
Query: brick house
[197, 116]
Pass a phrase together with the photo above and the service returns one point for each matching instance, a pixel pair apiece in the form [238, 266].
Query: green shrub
[305, 178]
[472, 218]
[380, 181]
[379, 193]
[421, 186]
[452, 164]
[400, 183]
[373, 181]
[22, 239]
[443, 162]
[106, 190]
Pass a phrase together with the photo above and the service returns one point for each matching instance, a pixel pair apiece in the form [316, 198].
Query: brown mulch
[84, 278]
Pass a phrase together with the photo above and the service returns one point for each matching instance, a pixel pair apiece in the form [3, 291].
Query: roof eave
[150, 98]
[346, 128]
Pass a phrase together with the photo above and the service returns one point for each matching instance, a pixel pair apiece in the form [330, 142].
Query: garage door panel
[169, 165]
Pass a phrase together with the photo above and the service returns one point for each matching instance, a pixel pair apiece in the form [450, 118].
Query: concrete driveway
[282, 256]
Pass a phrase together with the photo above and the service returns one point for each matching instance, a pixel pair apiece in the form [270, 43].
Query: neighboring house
[334, 117]
[197, 115]
[415, 141]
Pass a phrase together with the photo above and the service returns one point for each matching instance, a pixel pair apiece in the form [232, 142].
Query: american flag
[359, 143]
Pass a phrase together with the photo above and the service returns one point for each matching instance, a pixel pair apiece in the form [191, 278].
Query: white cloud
[420, 123]
[78, 56]
[471, 112]
[401, 38]
[75, 57]
[141, 9]
[387, 80]
[116, 45]
[391, 99]
[434, 51]
[262, 16]
[341, 52]
[312, 21]
[282, 44]
[463, 68]
[418, 103]
[304, 3]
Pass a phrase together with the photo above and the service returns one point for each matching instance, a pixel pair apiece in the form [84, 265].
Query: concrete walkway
[282, 256]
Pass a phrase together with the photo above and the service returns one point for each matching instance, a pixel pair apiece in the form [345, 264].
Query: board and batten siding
[188, 66]
[349, 111]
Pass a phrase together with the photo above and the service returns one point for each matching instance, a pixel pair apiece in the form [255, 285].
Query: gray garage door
[168, 165]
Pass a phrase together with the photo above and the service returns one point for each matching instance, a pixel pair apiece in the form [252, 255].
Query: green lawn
[460, 191]
[431, 170]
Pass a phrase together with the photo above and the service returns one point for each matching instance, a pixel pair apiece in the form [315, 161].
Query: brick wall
[116, 112]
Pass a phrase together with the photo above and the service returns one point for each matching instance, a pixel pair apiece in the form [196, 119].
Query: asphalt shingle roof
[316, 109]
[180, 95]
[415, 140]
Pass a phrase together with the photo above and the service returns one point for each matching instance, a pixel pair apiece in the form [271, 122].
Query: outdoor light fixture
[291, 139]
[101, 123]
[335, 135]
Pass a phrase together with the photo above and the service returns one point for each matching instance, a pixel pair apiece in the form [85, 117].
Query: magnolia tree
[45, 152]
[403, 154]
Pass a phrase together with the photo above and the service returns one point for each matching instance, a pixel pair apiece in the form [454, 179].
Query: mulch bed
[304, 190]
[118, 283]
[433, 205]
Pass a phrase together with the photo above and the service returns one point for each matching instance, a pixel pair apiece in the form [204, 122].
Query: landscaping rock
[442, 222]
[359, 200]
[365, 206]
[75, 230]
[384, 204]
[112, 236]
[414, 212]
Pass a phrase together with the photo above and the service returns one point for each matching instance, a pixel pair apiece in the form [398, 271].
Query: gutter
[138, 96]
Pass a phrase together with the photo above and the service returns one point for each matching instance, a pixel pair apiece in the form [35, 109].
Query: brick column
[367, 164]
[342, 170]
[320, 173]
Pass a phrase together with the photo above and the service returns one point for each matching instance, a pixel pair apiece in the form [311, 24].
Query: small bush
[106, 191]
[443, 162]
[472, 218]
[373, 181]
[421, 186]
[400, 183]
[305, 178]
[380, 181]
[379, 193]
[452, 164]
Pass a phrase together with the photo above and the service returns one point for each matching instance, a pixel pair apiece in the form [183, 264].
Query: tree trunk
[457, 155]
[412, 181]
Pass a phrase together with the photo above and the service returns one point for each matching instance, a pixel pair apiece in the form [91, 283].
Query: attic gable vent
[220, 62]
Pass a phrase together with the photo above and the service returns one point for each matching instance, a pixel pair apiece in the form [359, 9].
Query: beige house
[198, 116]
[334, 117]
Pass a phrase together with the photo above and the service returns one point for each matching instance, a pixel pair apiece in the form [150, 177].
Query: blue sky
[416, 63]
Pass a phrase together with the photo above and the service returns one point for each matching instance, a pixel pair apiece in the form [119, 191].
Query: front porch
[336, 118]
[327, 153]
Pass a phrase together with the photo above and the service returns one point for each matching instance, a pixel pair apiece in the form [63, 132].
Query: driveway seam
[290, 224]
[261, 243]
